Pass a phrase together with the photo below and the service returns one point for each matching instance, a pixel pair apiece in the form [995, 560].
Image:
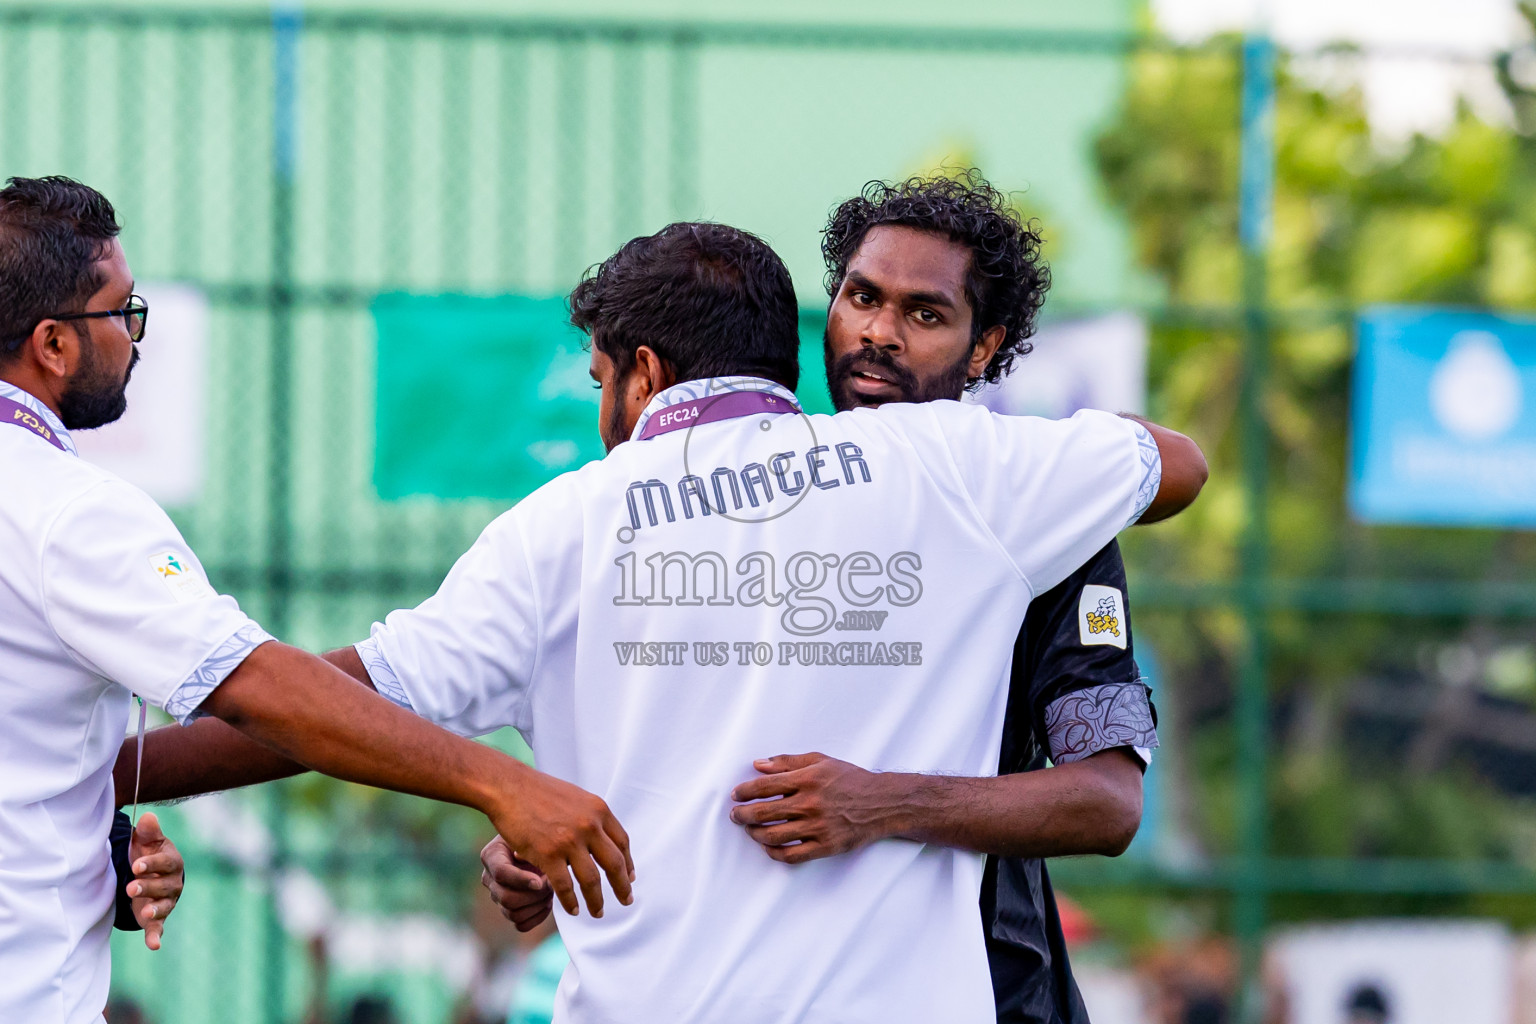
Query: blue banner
[1444, 424]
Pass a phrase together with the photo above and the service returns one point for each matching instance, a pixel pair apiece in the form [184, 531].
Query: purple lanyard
[711, 409]
[21, 416]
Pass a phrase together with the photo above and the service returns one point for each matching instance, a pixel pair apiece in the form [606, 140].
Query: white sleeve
[464, 657]
[131, 602]
[1053, 492]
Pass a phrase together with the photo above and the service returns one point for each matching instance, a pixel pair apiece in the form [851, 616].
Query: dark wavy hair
[1006, 281]
[711, 300]
[53, 231]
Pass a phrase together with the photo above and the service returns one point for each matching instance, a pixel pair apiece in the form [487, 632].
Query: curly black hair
[1007, 279]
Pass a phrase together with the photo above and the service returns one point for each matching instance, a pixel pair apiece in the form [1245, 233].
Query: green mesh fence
[341, 186]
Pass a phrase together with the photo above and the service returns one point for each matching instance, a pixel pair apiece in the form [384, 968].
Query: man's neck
[32, 384]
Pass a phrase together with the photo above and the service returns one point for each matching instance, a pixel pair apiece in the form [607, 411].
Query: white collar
[26, 398]
[690, 390]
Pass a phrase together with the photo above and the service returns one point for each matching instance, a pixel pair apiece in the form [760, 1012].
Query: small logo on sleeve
[1101, 616]
[181, 579]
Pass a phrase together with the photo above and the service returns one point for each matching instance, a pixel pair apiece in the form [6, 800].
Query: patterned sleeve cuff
[384, 679]
[187, 698]
[1100, 718]
[1151, 460]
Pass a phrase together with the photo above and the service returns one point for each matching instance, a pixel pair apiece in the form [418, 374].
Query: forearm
[208, 756]
[308, 711]
[1092, 806]
[205, 757]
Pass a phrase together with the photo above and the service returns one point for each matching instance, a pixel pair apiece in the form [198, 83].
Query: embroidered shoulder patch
[1101, 616]
[182, 580]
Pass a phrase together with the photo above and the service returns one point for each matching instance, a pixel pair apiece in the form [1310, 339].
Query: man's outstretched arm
[309, 712]
[208, 755]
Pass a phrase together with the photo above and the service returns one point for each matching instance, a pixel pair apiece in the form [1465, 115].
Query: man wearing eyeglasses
[100, 596]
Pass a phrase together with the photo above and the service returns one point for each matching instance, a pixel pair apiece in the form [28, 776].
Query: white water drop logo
[1475, 391]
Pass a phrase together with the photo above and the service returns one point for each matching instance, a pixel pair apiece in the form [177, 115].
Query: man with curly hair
[935, 287]
[978, 284]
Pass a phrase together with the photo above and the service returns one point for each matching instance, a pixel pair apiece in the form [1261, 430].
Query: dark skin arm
[309, 713]
[209, 755]
[1184, 472]
[1092, 806]
[825, 806]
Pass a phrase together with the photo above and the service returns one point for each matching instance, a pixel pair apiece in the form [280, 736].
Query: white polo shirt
[760, 585]
[99, 596]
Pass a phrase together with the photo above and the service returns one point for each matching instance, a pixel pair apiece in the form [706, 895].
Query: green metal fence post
[1255, 200]
[684, 102]
[285, 57]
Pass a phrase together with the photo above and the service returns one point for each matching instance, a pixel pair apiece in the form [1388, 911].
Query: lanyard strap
[138, 772]
[710, 409]
[21, 416]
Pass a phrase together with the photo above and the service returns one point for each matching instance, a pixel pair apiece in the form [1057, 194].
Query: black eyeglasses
[135, 317]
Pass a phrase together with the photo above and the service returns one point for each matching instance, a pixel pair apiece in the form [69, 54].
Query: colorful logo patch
[1101, 617]
[184, 582]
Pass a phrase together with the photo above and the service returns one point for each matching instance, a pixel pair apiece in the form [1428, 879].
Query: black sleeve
[122, 834]
[1076, 689]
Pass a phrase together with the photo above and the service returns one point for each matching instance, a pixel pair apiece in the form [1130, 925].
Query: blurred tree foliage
[351, 828]
[1447, 220]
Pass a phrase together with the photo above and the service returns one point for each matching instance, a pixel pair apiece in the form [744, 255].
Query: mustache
[876, 360]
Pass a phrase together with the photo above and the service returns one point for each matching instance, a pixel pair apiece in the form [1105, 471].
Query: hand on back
[516, 886]
[560, 830]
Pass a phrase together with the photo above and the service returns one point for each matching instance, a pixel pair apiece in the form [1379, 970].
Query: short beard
[94, 396]
[614, 435]
[948, 383]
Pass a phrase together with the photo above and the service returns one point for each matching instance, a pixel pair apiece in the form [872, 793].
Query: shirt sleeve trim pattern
[384, 679]
[187, 698]
[1099, 718]
[1151, 458]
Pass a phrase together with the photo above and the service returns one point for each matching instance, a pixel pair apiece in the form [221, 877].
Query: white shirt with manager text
[770, 584]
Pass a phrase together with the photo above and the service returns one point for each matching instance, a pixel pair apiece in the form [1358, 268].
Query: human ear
[55, 348]
[985, 348]
[652, 374]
